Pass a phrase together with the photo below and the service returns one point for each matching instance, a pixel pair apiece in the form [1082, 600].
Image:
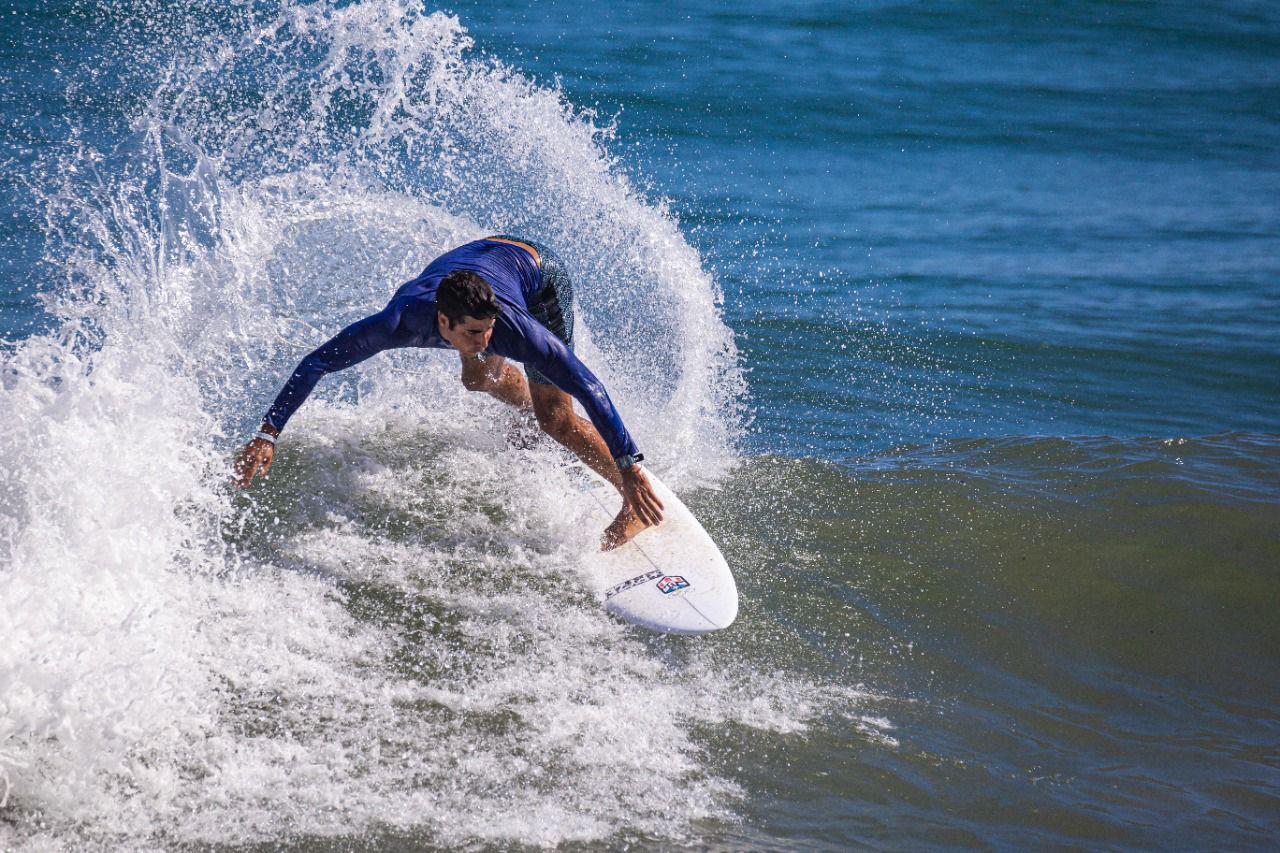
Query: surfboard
[671, 578]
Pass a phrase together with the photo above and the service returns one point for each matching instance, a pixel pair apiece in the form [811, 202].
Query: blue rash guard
[409, 320]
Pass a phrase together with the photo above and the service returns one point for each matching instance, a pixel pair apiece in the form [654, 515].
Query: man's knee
[476, 380]
[472, 382]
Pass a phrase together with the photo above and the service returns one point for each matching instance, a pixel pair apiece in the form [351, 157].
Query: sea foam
[398, 633]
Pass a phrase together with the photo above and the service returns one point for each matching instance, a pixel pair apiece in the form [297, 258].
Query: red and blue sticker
[672, 583]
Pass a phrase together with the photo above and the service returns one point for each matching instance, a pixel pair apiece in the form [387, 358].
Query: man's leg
[495, 376]
[557, 418]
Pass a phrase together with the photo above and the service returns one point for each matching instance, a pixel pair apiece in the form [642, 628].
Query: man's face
[469, 336]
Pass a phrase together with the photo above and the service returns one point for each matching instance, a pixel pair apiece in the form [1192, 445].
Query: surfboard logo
[672, 583]
[635, 581]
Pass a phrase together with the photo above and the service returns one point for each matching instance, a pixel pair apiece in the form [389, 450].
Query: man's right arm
[353, 344]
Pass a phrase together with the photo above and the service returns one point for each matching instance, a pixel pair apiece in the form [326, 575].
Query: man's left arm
[558, 363]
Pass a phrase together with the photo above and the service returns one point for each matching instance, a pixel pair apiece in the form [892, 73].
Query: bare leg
[557, 418]
[554, 411]
[499, 379]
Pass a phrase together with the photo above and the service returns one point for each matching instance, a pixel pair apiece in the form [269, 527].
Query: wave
[398, 633]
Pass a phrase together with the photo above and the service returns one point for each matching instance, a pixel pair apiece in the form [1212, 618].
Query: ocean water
[955, 324]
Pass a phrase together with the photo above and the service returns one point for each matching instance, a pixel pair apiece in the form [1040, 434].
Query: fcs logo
[672, 583]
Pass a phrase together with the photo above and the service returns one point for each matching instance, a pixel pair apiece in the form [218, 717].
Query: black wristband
[626, 461]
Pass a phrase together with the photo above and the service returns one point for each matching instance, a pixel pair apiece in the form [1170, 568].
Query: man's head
[466, 311]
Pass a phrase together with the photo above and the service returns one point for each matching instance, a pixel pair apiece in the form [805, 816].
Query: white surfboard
[671, 578]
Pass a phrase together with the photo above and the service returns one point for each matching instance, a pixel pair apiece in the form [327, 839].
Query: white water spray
[396, 633]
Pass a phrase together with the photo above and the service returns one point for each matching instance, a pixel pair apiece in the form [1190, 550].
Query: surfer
[492, 299]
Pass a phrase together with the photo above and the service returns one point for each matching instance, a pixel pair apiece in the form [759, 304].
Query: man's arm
[352, 345]
[558, 363]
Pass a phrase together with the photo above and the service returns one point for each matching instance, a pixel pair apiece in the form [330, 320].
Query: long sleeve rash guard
[409, 320]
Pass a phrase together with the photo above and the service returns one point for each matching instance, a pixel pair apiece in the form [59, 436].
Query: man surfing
[492, 299]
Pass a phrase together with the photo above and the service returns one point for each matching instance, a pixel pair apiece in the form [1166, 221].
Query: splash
[294, 170]
[398, 636]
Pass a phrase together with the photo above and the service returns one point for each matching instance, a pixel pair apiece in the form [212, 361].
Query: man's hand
[255, 458]
[641, 508]
[639, 496]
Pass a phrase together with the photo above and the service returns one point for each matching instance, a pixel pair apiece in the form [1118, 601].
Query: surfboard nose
[677, 615]
[671, 578]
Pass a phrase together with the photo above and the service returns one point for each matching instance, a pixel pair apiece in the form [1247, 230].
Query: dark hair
[463, 293]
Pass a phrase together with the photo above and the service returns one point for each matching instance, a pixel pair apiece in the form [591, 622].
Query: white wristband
[265, 436]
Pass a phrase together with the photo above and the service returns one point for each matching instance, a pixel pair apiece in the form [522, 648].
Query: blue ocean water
[957, 221]
[957, 325]
[966, 219]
